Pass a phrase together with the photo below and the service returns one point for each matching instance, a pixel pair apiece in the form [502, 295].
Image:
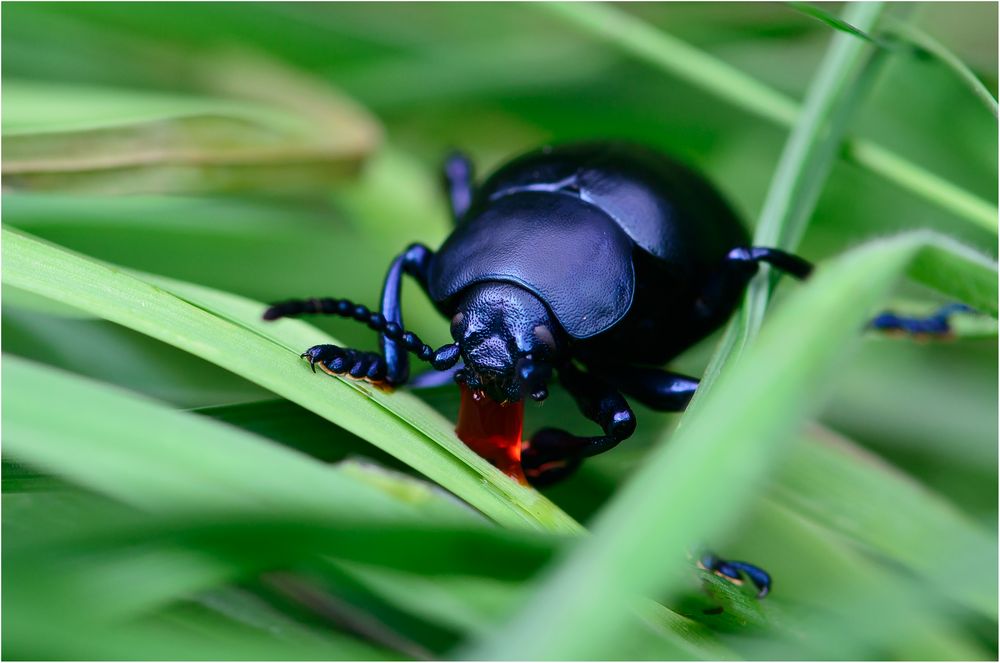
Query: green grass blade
[96, 139]
[414, 433]
[839, 602]
[52, 272]
[916, 42]
[945, 56]
[677, 57]
[151, 457]
[728, 83]
[740, 429]
[836, 22]
[844, 488]
[801, 173]
[833, 96]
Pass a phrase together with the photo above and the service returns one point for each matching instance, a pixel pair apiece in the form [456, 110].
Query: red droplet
[492, 430]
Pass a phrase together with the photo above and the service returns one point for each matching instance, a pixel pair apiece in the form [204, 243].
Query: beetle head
[508, 339]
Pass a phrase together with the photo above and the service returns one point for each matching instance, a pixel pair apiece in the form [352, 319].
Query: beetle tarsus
[356, 364]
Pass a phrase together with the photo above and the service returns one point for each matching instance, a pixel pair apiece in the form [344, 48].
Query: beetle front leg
[415, 261]
[392, 365]
[335, 360]
[554, 454]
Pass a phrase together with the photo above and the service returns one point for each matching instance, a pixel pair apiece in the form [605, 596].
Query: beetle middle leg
[458, 182]
[727, 285]
[553, 454]
[653, 387]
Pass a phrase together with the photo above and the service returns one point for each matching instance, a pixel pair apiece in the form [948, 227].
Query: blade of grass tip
[738, 433]
[835, 22]
[386, 420]
[911, 39]
[804, 166]
[719, 78]
[945, 56]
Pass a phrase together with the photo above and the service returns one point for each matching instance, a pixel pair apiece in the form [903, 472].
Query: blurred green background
[277, 150]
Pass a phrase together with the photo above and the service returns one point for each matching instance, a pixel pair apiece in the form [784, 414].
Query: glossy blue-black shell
[602, 233]
[569, 253]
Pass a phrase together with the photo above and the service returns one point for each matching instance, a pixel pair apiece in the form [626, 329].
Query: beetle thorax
[509, 341]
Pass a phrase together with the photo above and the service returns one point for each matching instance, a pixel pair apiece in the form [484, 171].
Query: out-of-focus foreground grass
[177, 484]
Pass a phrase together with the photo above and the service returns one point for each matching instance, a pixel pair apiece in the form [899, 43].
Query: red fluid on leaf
[492, 430]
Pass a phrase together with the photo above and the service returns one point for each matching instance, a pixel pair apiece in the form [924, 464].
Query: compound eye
[457, 325]
[544, 334]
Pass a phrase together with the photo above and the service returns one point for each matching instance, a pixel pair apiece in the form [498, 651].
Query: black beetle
[606, 255]
[609, 255]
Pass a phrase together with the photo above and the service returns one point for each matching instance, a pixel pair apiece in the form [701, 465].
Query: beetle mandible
[592, 263]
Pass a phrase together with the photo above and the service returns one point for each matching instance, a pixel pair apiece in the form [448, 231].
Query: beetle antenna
[441, 359]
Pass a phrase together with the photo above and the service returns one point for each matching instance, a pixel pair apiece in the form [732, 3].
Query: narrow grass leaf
[802, 171]
[146, 455]
[836, 23]
[76, 138]
[249, 350]
[911, 40]
[742, 426]
[947, 57]
[828, 609]
[728, 83]
[836, 484]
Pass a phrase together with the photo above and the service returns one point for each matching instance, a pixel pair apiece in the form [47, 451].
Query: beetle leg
[733, 571]
[415, 261]
[724, 290]
[433, 378]
[786, 262]
[553, 454]
[458, 182]
[395, 341]
[936, 325]
[656, 389]
[335, 360]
